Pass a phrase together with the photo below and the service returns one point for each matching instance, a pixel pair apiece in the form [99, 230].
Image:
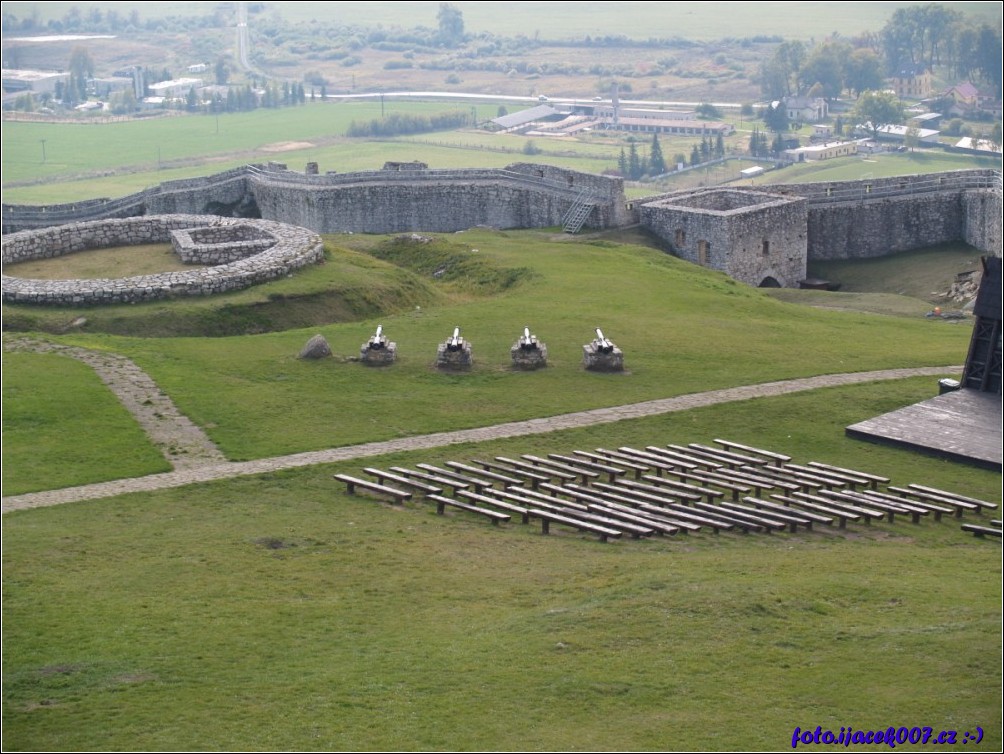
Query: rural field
[272, 610]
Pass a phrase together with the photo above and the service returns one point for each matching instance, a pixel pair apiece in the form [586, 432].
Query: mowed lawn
[278, 612]
[683, 329]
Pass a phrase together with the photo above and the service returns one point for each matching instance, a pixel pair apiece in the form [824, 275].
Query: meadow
[278, 612]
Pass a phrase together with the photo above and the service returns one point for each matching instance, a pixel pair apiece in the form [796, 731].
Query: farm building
[825, 151]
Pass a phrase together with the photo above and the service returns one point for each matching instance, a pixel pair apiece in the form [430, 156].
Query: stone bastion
[236, 253]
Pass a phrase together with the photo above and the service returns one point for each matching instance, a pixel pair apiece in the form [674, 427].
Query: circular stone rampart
[293, 248]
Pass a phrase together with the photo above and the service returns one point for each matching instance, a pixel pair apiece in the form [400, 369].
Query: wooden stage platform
[964, 425]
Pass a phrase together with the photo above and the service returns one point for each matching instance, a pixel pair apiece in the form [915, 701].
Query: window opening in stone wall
[766, 248]
[703, 250]
[681, 237]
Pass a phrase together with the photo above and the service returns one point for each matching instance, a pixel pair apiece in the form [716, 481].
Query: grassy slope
[62, 427]
[683, 329]
[456, 635]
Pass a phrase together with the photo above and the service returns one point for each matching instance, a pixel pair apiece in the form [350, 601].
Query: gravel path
[183, 444]
[196, 459]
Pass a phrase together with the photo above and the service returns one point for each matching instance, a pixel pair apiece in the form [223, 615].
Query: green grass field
[276, 612]
[683, 329]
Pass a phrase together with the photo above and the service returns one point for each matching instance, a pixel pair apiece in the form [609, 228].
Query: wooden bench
[768, 521]
[958, 504]
[547, 518]
[788, 518]
[701, 458]
[390, 476]
[867, 513]
[746, 521]
[661, 499]
[836, 478]
[689, 489]
[981, 531]
[935, 508]
[655, 462]
[715, 481]
[616, 512]
[638, 507]
[612, 472]
[494, 516]
[808, 482]
[541, 500]
[526, 476]
[494, 500]
[842, 516]
[892, 507]
[437, 480]
[873, 479]
[681, 460]
[470, 481]
[674, 491]
[560, 470]
[952, 496]
[779, 508]
[777, 458]
[623, 464]
[550, 473]
[507, 481]
[729, 457]
[352, 482]
[595, 517]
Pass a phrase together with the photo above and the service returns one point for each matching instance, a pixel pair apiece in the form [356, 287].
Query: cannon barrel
[526, 333]
[379, 331]
[599, 334]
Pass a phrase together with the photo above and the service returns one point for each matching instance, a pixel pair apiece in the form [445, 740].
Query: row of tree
[635, 166]
[917, 37]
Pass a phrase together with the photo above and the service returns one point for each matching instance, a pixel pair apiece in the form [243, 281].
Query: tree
[634, 163]
[876, 109]
[779, 75]
[707, 110]
[695, 155]
[911, 138]
[192, 100]
[825, 66]
[775, 117]
[222, 71]
[657, 164]
[81, 65]
[451, 24]
[863, 71]
[622, 164]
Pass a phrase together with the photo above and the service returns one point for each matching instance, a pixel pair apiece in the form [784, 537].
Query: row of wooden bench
[685, 492]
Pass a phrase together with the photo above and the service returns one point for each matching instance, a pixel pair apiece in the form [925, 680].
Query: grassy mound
[349, 286]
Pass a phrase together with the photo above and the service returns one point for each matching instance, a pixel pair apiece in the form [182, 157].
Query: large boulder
[316, 348]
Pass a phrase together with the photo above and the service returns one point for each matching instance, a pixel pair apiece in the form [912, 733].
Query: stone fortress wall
[258, 250]
[757, 234]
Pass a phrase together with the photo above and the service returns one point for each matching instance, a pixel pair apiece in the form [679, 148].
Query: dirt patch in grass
[118, 262]
[286, 146]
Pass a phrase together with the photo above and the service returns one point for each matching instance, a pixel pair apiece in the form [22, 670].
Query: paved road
[169, 429]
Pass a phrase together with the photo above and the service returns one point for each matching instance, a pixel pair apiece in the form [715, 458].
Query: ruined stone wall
[520, 196]
[983, 211]
[197, 196]
[754, 238]
[855, 230]
[292, 248]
